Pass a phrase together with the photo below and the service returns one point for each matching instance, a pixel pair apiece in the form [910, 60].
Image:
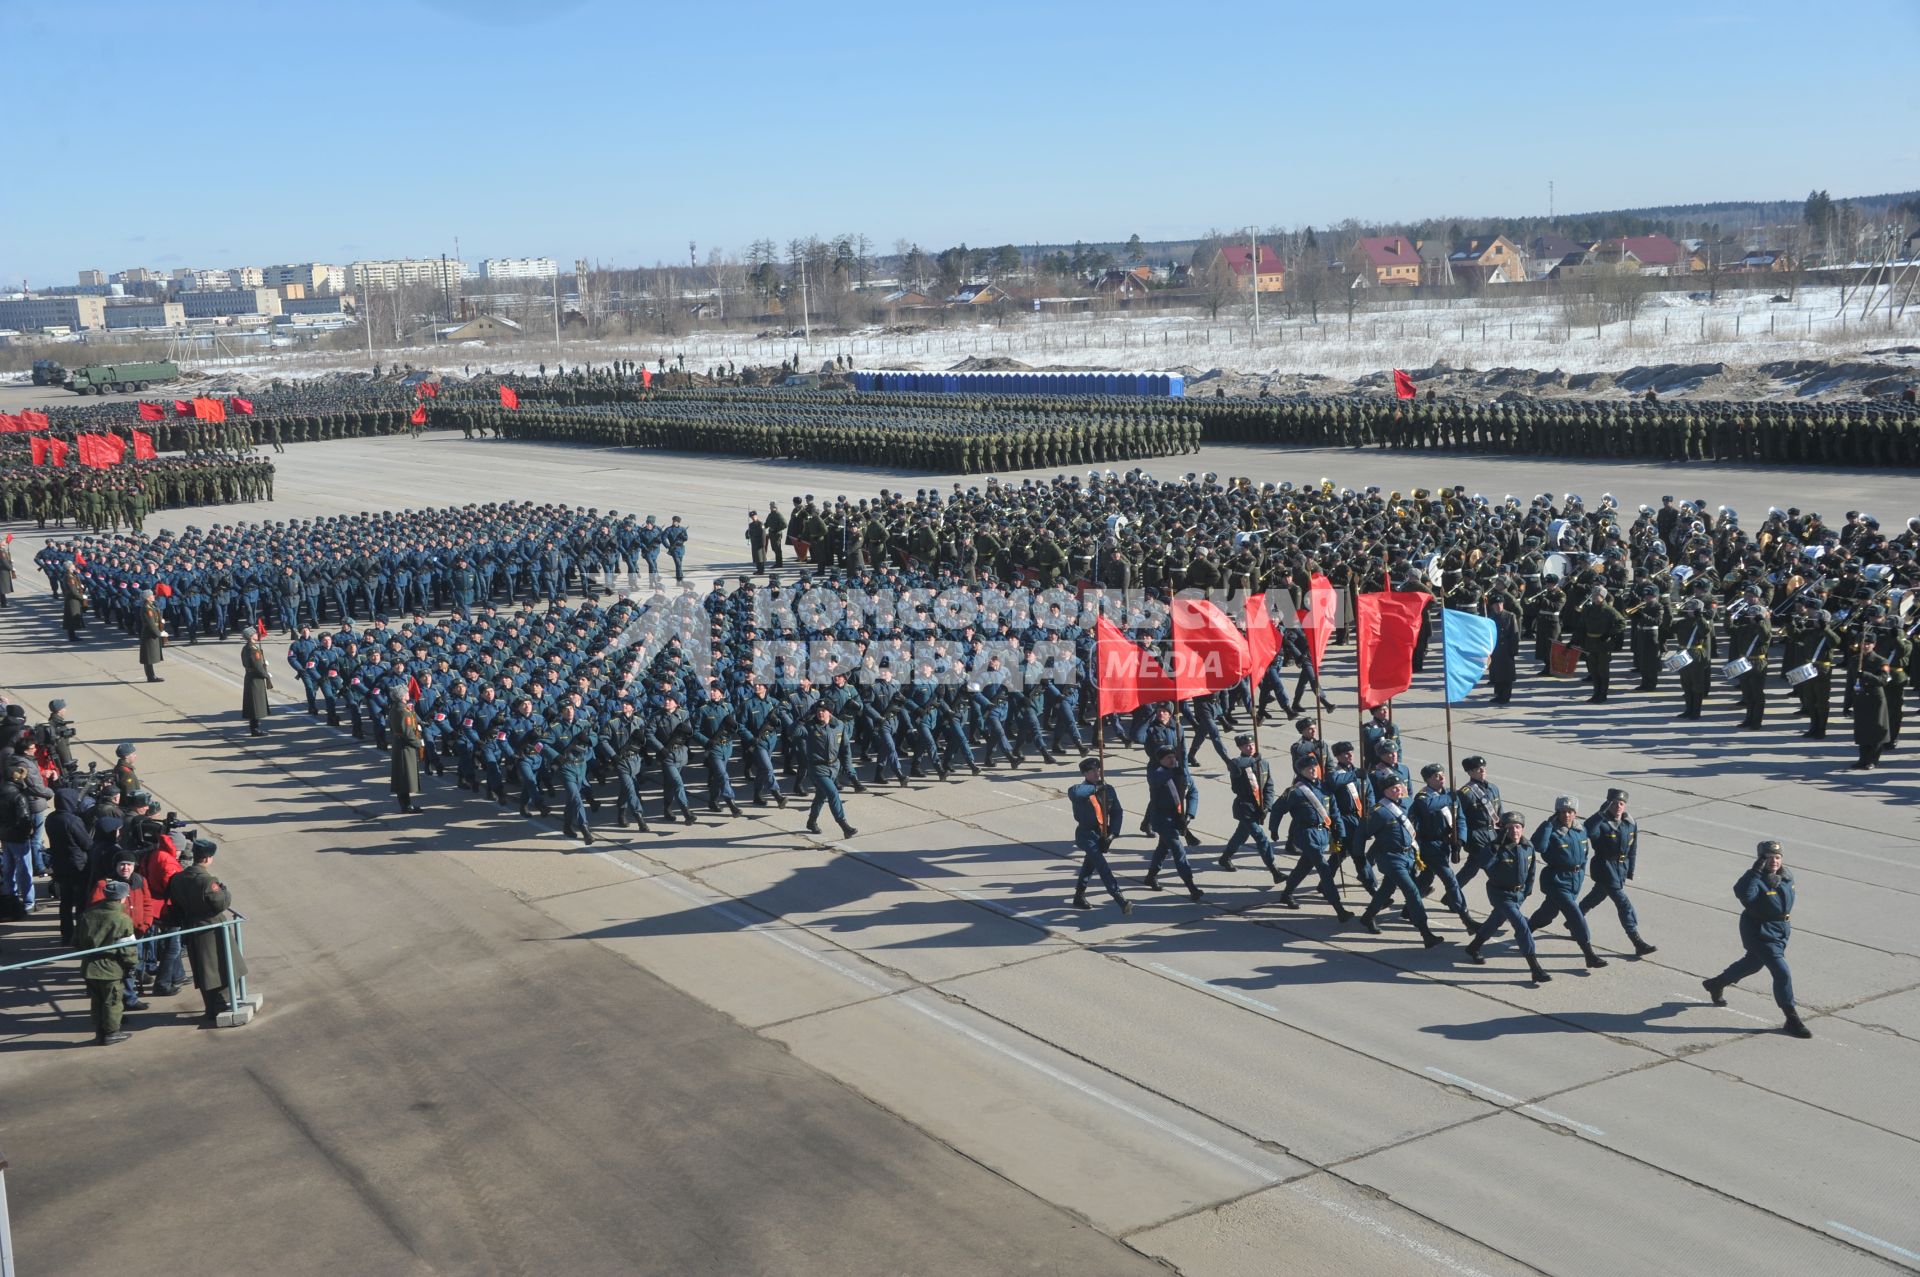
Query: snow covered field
[1742, 328]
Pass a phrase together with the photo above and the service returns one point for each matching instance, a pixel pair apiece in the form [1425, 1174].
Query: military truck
[48, 372]
[99, 379]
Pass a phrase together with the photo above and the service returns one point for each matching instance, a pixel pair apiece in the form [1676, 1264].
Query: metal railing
[240, 1005]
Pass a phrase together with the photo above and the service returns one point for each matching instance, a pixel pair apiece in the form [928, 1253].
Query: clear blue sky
[217, 134]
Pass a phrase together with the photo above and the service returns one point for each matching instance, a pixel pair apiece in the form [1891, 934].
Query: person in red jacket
[142, 909]
[158, 864]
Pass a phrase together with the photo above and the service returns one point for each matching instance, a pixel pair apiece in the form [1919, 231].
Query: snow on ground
[1744, 329]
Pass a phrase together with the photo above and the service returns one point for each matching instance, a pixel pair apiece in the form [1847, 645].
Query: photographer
[56, 737]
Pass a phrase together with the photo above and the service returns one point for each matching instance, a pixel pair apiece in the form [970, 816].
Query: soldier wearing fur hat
[1766, 895]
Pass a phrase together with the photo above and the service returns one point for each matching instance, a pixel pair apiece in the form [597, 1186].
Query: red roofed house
[1239, 257]
[1385, 259]
[1656, 254]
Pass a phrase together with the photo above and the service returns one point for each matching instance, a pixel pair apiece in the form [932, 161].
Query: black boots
[1795, 1028]
[1594, 960]
[1540, 975]
[1473, 954]
[1641, 947]
[1715, 991]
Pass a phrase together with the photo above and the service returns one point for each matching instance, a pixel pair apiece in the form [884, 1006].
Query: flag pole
[1446, 700]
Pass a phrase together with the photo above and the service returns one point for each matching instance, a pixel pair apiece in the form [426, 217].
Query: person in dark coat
[259, 681]
[73, 604]
[194, 898]
[153, 639]
[72, 846]
[1503, 665]
[406, 742]
[1872, 724]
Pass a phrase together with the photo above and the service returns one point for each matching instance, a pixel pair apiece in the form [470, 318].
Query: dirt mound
[1819, 377]
[991, 363]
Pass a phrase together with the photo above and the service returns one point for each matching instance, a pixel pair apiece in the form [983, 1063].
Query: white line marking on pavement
[1368, 1222]
[1504, 1098]
[1729, 1010]
[1877, 1241]
[1093, 1092]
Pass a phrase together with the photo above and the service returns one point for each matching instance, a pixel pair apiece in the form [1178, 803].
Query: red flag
[1263, 640]
[433, 389]
[84, 443]
[113, 449]
[143, 449]
[8, 425]
[1402, 385]
[1317, 620]
[1387, 625]
[508, 399]
[242, 406]
[209, 409]
[260, 626]
[1209, 653]
[57, 451]
[151, 412]
[646, 378]
[181, 408]
[419, 417]
[1129, 677]
[35, 419]
[39, 447]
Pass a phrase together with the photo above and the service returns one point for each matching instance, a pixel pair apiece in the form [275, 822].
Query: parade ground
[742, 1049]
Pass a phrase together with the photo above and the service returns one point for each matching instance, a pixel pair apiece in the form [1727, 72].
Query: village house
[1272, 276]
[1385, 260]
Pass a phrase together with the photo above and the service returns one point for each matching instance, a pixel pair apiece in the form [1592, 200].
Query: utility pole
[806, 318]
[366, 314]
[556, 307]
[1253, 248]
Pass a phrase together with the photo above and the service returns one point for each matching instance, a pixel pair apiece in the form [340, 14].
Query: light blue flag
[1468, 643]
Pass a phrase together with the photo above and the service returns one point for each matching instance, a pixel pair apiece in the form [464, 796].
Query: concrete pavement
[738, 1048]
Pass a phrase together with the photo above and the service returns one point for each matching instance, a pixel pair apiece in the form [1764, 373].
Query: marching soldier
[1395, 851]
[1510, 871]
[1766, 896]
[1096, 819]
[1253, 798]
[1167, 814]
[1309, 835]
[1812, 644]
[1615, 840]
[1479, 802]
[1562, 847]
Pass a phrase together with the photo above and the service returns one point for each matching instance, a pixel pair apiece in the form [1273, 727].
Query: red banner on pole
[1209, 652]
[242, 406]
[40, 450]
[181, 408]
[151, 412]
[1129, 677]
[1403, 385]
[419, 417]
[1317, 620]
[143, 449]
[509, 399]
[57, 451]
[1263, 639]
[1388, 627]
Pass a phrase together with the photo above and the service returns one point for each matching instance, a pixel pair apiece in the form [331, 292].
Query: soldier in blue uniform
[1615, 840]
[1253, 797]
[674, 538]
[1479, 815]
[1395, 851]
[1346, 792]
[1167, 814]
[1309, 835]
[1096, 820]
[1561, 844]
[1433, 814]
[1379, 732]
[1766, 896]
[713, 727]
[1509, 866]
[821, 747]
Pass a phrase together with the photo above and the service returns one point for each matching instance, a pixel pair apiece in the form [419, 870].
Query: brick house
[1385, 260]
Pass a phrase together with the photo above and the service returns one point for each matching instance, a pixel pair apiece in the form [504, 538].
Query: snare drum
[1734, 669]
[1802, 673]
[1675, 661]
